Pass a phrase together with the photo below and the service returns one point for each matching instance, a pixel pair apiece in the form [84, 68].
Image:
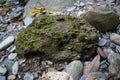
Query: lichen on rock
[58, 37]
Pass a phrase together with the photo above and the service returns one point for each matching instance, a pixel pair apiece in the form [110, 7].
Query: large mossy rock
[58, 37]
[104, 19]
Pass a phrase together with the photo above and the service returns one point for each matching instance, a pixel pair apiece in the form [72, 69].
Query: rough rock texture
[57, 76]
[75, 69]
[58, 37]
[57, 5]
[104, 19]
[115, 38]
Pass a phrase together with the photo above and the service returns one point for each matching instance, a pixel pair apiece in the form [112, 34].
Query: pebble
[15, 68]
[2, 77]
[102, 42]
[115, 38]
[28, 21]
[57, 76]
[75, 69]
[7, 42]
[8, 63]
[94, 74]
[12, 56]
[3, 70]
[11, 48]
[28, 76]
[11, 77]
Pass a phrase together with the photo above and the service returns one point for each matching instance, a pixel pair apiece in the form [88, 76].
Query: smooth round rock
[11, 77]
[94, 74]
[75, 69]
[15, 68]
[3, 70]
[7, 42]
[12, 56]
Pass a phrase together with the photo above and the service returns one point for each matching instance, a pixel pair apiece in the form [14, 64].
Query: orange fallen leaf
[93, 66]
[41, 10]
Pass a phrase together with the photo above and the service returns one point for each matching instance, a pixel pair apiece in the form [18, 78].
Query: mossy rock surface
[58, 37]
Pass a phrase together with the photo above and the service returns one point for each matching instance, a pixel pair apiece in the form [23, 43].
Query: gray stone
[102, 19]
[15, 68]
[115, 38]
[2, 78]
[7, 42]
[8, 63]
[28, 76]
[57, 5]
[12, 56]
[114, 60]
[75, 69]
[3, 70]
[11, 77]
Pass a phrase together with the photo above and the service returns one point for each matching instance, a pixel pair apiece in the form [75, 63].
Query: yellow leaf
[52, 12]
[34, 12]
[41, 10]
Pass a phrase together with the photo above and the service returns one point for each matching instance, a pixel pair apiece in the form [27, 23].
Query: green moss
[54, 35]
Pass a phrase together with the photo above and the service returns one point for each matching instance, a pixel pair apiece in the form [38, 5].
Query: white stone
[12, 56]
[11, 77]
[28, 76]
[15, 68]
[57, 76]
[3, 70]
[7, 42]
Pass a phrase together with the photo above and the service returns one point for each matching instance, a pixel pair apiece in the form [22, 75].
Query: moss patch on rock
[58, 37]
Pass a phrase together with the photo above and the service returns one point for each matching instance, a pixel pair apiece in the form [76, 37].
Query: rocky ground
[59, 40]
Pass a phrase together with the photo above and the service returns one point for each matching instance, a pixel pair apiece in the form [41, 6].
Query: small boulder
[58, 37]
[102, 19]
[75, 69]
